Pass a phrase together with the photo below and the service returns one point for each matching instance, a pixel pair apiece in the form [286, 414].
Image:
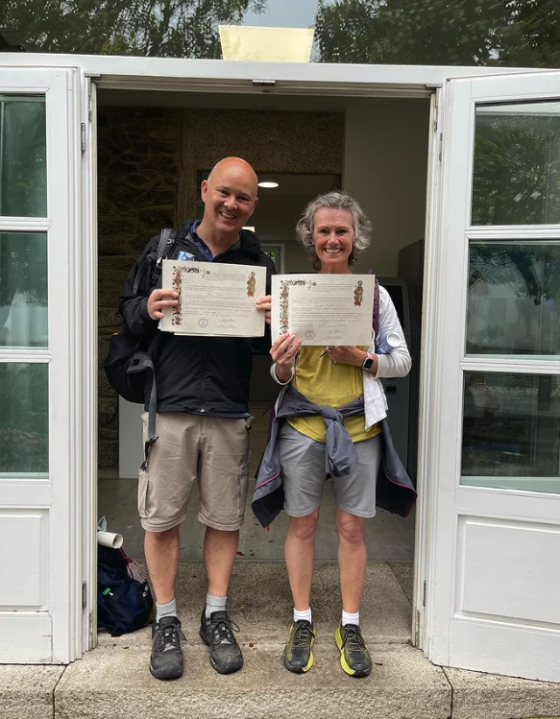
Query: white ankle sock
[349, 618]
[214, 604]
[166, 610]
[306, 614]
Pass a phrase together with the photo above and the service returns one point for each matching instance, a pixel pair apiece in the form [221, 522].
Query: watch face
[368, 362]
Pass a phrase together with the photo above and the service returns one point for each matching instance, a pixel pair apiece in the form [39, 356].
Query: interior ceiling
[240, 101]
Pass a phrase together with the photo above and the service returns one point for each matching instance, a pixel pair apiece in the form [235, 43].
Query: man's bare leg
[220, 550]
[162, 558]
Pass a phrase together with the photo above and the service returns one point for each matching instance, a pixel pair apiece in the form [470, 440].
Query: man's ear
[204, 189]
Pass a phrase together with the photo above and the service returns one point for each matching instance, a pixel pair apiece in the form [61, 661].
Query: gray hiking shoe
[166, 661]
[217, 633]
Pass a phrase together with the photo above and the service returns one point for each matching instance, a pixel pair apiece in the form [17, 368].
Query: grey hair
[335, 200]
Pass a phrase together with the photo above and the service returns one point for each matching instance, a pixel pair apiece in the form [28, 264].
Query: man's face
[229, 197]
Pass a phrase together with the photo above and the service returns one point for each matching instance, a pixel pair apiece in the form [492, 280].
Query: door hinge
[83, 129]
[440, 146]
[84, 595]
[417, 629]
[424, 590]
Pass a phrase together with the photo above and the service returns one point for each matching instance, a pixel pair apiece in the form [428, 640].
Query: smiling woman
[334, 230]
[324, 383]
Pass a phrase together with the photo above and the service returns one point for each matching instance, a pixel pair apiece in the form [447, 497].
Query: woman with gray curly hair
[334, 230]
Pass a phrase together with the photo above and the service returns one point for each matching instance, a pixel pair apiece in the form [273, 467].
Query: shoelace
[353, 639]
[302, 636]
[171, 637]
[222, 630]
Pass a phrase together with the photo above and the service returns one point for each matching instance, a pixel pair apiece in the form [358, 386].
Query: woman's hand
[347, 355]
[159, 300]
[283, 353]
[265, 303]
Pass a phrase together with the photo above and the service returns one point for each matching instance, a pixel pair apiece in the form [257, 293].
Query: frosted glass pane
[24, 419]
[23, 289]
[511, 430]
[23, 165]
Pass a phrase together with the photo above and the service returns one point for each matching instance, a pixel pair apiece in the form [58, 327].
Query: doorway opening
[154, 148]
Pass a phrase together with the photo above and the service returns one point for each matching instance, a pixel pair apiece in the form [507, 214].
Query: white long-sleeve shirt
[395, 363]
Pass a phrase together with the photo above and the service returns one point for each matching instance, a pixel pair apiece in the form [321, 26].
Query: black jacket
[203, 375]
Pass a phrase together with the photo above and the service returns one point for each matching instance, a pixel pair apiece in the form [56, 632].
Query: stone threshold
[113, 681]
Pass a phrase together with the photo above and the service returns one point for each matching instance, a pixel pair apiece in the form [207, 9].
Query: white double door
[490, 464]
[493, 402]
[46, 380]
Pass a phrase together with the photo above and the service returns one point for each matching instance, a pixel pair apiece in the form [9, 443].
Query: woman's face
[333, 237]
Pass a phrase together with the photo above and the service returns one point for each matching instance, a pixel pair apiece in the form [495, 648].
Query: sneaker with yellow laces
[354, 655]
[298, 654]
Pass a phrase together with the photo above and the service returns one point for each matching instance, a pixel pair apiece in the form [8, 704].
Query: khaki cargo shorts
[213, 450]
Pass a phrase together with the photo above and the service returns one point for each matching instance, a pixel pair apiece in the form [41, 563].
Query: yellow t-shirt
[330, 385]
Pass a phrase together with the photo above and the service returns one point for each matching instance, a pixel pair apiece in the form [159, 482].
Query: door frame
[217, 76]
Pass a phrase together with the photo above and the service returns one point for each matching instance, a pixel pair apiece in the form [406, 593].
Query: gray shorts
[303, 475]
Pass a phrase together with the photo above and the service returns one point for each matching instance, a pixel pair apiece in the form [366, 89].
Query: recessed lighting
[268, 185]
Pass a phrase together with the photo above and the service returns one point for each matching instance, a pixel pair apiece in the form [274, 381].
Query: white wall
[385, 169]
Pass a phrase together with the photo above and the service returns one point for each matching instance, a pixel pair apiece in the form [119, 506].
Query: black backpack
[123, 604]
[129, 365]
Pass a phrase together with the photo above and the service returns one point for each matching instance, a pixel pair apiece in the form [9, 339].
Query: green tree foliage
[515, 33]
[159, 28]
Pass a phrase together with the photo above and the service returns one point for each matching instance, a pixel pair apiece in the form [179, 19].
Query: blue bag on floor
[124, 604]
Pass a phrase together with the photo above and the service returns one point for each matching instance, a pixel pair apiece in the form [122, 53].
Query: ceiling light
[268, 185]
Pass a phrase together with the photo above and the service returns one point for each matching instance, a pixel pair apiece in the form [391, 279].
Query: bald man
[203, 424]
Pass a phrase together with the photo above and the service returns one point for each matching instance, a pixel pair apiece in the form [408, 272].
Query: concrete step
[115, 684]
[113, 681]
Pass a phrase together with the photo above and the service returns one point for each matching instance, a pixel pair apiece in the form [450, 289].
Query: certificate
[214, 299]
[324, 309]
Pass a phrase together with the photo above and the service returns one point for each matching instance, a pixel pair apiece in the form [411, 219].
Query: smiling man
[203, 423]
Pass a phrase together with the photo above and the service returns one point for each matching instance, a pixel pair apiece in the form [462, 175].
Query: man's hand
[158, 300]
[265, 303]
[347, 355]
[283, 352]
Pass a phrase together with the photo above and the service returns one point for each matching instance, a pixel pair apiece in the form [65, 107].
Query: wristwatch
[367, 363]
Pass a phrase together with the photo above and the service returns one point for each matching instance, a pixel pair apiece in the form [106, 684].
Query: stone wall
[148, 164]
[139, 154]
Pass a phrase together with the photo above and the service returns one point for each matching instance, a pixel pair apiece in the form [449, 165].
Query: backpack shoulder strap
[165, 246]
[153, 261]
[164, 237]
[376, 309]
